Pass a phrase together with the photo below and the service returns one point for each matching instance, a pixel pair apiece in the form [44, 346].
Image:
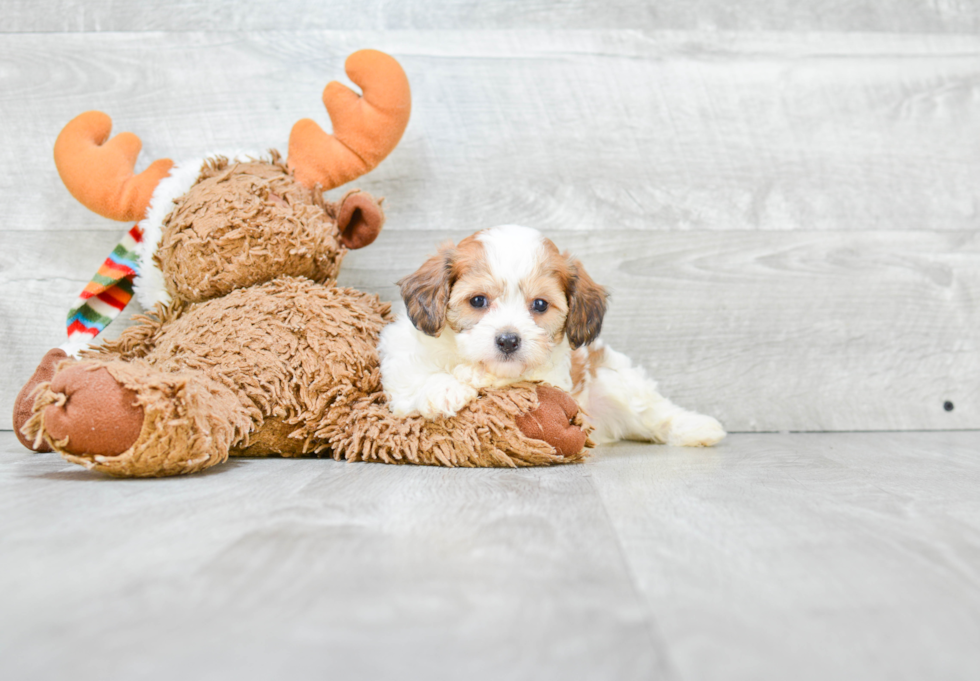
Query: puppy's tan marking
[585, 366]
[471, 277]
[549, 281]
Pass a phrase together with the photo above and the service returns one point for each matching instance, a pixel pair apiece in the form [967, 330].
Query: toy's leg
[622, 403]
[129, 419]
[514, 426]
[134, 342]
[137, 341]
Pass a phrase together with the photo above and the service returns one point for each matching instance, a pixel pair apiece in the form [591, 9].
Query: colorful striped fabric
[107, 294]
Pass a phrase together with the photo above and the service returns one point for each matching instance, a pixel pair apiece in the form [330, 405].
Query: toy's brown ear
[586, 306]
[426, 291]
[360, 219]
[99, 173]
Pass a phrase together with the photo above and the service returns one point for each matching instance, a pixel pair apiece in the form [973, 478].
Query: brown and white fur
[505, 306]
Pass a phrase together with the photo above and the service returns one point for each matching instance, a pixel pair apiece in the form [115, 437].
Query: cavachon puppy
[505, 306]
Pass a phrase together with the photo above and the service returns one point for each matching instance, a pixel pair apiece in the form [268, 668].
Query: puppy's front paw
[444, 396]
[694, 430]
[478, 377]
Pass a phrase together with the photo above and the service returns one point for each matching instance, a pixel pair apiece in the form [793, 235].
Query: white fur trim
[74, 346]
[149, 285]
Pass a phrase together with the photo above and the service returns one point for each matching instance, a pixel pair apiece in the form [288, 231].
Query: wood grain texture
[810, 556]
[766, 331]
[305, 568]
[569, 130]
[770, 557]
[788, 221]
[896, 16]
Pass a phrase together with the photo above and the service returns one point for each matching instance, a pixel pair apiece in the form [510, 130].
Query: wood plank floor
[803, 556]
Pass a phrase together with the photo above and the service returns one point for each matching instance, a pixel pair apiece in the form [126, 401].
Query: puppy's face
[508, 295]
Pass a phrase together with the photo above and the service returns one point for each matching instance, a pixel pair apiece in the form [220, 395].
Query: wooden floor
[803, 556]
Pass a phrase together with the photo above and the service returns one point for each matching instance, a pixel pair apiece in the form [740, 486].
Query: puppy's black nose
[508, 342]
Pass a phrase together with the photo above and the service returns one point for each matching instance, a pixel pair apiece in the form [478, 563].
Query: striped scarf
[106, 295]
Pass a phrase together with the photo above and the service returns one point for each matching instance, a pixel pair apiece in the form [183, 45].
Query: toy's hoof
[23, 405]
[98, 416]
[552, 422]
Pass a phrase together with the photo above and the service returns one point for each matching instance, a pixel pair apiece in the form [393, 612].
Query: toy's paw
[23, 405]
[694, 430]
[93, 415]
[552, 422]
[444, 396]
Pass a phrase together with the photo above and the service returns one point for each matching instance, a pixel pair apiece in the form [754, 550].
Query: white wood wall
[783, 200]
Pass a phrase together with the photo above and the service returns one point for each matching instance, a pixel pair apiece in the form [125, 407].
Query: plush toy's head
[242, 224]
[212, 225]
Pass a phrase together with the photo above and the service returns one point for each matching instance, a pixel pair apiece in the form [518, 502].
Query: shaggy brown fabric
[243, 224]
[485, 433]
[271, 439]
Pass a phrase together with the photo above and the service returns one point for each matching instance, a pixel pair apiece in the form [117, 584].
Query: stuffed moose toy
[250, 348]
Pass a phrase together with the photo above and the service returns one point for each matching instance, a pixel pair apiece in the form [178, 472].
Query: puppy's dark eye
[478, 301]
[539, 305]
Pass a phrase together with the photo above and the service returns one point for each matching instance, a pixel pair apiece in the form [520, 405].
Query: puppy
[505, 306]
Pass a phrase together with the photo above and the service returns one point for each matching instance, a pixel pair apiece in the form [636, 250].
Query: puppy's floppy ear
[426, 292]
[586, 306]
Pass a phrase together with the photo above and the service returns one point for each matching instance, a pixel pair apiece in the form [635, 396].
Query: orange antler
[100, 174]
[365, 129]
